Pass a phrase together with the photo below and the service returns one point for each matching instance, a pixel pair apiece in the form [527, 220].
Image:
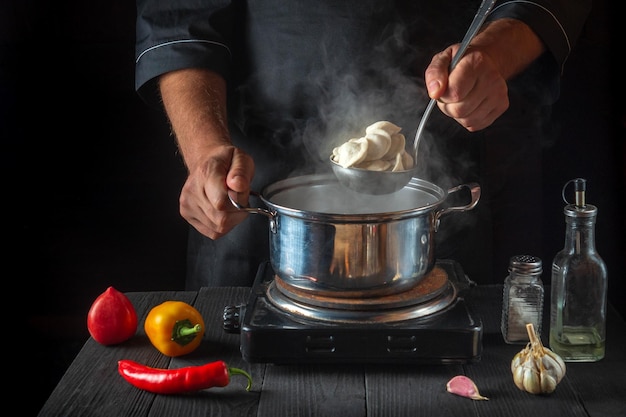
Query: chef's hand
[195, 102]
[204, 201]
[475, 94]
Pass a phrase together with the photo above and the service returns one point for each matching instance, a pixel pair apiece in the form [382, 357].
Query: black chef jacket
[304, 74]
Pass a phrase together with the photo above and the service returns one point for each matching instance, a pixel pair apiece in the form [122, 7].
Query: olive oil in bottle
[579, 286]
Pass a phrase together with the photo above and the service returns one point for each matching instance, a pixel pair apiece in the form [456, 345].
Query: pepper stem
[184, 332]
[237, 371]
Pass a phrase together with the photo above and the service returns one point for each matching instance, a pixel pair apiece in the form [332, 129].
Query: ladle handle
[479, 19]
[420, 127]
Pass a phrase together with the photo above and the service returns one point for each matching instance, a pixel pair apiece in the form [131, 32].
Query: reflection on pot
[315, 247]
[359, 251]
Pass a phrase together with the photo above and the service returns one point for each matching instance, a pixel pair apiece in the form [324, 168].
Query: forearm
[558, 23]
[511, 44]
[195, 102]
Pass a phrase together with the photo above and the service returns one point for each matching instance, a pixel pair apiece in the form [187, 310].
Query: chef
[257, 91]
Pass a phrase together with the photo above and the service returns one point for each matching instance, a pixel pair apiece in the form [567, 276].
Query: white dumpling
[381, 149]
[377, 165]
[388, 127]
[398, 142]
[407, 160]
[379, 142]
[397, 163]
[351, 152]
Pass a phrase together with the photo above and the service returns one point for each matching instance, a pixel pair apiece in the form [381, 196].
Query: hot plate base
[271, 335]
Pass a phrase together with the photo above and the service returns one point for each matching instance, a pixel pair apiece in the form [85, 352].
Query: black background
[91, 176]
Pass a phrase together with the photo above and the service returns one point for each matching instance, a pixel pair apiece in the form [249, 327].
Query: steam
[352, 78]
[379, 87]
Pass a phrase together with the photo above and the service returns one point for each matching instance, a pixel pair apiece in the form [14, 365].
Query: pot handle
[474, 189]
[232, 196]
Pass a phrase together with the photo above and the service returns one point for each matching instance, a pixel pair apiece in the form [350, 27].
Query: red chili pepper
[176, 381]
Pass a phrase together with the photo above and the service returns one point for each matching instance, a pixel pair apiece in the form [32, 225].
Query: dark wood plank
[313, 390]
[92, 386]
[493, 376]
[413, 390]
[495, 381]
[585, 390]
[232, 400]
[601, 385]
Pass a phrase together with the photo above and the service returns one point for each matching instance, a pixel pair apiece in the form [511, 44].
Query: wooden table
[92, 386]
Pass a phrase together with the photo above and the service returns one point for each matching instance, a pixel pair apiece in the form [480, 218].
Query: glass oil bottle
[579, 286]
[522, 299]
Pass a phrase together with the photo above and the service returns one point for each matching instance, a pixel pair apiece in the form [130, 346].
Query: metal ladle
[386, 182]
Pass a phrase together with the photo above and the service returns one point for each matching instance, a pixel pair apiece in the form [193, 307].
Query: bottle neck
[579, 234]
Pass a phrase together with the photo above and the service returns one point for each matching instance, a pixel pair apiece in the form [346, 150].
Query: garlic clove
[554, 363]
[531, 381]
[548, 383]
[465, 387]
[518, 377]
[518, 360]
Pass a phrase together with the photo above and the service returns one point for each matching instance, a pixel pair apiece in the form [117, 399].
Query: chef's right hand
[204, 201]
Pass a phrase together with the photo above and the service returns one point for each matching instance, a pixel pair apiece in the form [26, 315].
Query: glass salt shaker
[522, 299]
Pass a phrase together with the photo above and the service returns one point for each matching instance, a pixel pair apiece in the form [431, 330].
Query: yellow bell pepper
[175, 328]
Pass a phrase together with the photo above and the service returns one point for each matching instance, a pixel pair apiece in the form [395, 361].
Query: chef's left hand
[475, 94]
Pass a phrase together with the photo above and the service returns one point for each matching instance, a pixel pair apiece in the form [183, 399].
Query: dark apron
[295, 89]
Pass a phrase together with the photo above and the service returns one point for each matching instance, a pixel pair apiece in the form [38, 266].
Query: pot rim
[315, 180]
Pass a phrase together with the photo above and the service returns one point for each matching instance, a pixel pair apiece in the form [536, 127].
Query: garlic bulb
[537, 369]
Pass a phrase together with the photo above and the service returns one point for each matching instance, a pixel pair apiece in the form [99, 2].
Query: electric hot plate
[430, 323]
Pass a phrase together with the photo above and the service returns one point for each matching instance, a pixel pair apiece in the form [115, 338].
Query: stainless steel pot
[328, 240]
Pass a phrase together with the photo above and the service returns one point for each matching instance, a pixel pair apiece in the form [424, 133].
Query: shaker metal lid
[526, 264]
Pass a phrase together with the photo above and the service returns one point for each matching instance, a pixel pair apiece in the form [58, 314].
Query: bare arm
[476, 93]
[195, 102]
[512, 45]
